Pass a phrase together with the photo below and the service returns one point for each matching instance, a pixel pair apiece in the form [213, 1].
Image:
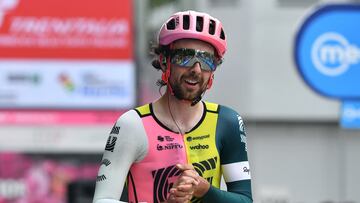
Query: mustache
[192, 76]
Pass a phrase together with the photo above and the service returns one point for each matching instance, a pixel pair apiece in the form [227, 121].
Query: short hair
[156, 50]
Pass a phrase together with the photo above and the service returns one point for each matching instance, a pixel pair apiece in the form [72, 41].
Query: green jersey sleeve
[232, 146]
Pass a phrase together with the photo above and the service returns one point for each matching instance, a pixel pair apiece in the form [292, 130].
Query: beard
[183, 93]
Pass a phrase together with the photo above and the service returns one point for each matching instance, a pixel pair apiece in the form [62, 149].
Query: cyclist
[176, 148]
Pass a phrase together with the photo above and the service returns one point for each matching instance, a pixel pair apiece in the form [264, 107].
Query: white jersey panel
[127, 143]
[236, 171]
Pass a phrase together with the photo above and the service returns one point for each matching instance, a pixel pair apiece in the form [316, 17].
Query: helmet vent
[222, 34]
[193, 25]
[199, 23]
[212, 26]
[186, 22]
[171, 24]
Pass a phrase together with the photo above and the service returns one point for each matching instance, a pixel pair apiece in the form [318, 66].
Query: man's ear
[211, 79]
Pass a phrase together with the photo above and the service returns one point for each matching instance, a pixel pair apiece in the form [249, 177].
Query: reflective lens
[188, 57]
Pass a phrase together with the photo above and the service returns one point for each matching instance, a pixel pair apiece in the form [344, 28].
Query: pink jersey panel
[153, 177]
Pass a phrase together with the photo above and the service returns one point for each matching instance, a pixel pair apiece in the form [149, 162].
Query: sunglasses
[188, 57]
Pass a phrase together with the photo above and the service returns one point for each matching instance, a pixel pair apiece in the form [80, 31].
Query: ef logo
[332, 54]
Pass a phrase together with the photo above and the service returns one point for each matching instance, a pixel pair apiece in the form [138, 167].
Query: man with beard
[176, 148]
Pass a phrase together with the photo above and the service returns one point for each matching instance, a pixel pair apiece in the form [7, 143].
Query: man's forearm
[215, 195]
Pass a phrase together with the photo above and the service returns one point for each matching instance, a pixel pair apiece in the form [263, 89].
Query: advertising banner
[350, 114]
[88, 29]
[327, 55]
[64, 58]
[327, 51]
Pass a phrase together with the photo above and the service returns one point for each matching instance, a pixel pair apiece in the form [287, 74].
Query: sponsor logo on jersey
[199, 146]
[201, 137]
[105, 162]
[110, 144]
[164, 179]
[169, 146]
[246, 170]
[100, 178]
[236, 171]
[201, 168]
[241, 124]
[243, 140]
[115, 130]
[242, 131]
[205, 165]
[162, 138]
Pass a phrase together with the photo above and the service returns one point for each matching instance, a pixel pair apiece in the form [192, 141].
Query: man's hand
[183, 189]
[199, 185]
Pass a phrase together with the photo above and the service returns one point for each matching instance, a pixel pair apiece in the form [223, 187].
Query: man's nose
[196, 67]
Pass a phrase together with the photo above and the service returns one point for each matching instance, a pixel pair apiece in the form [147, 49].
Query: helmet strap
[166, 75]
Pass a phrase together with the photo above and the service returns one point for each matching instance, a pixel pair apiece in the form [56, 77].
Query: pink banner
[58, 117]
[24, 179]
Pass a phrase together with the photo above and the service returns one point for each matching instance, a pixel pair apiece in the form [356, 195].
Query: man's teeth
[191, 81]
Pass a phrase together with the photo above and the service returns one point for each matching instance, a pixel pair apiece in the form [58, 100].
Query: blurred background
[68, 69]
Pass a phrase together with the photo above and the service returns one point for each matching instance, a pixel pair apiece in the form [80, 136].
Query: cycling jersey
[144, 151]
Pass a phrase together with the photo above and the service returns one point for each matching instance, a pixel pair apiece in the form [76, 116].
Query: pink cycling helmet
[194, 25]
